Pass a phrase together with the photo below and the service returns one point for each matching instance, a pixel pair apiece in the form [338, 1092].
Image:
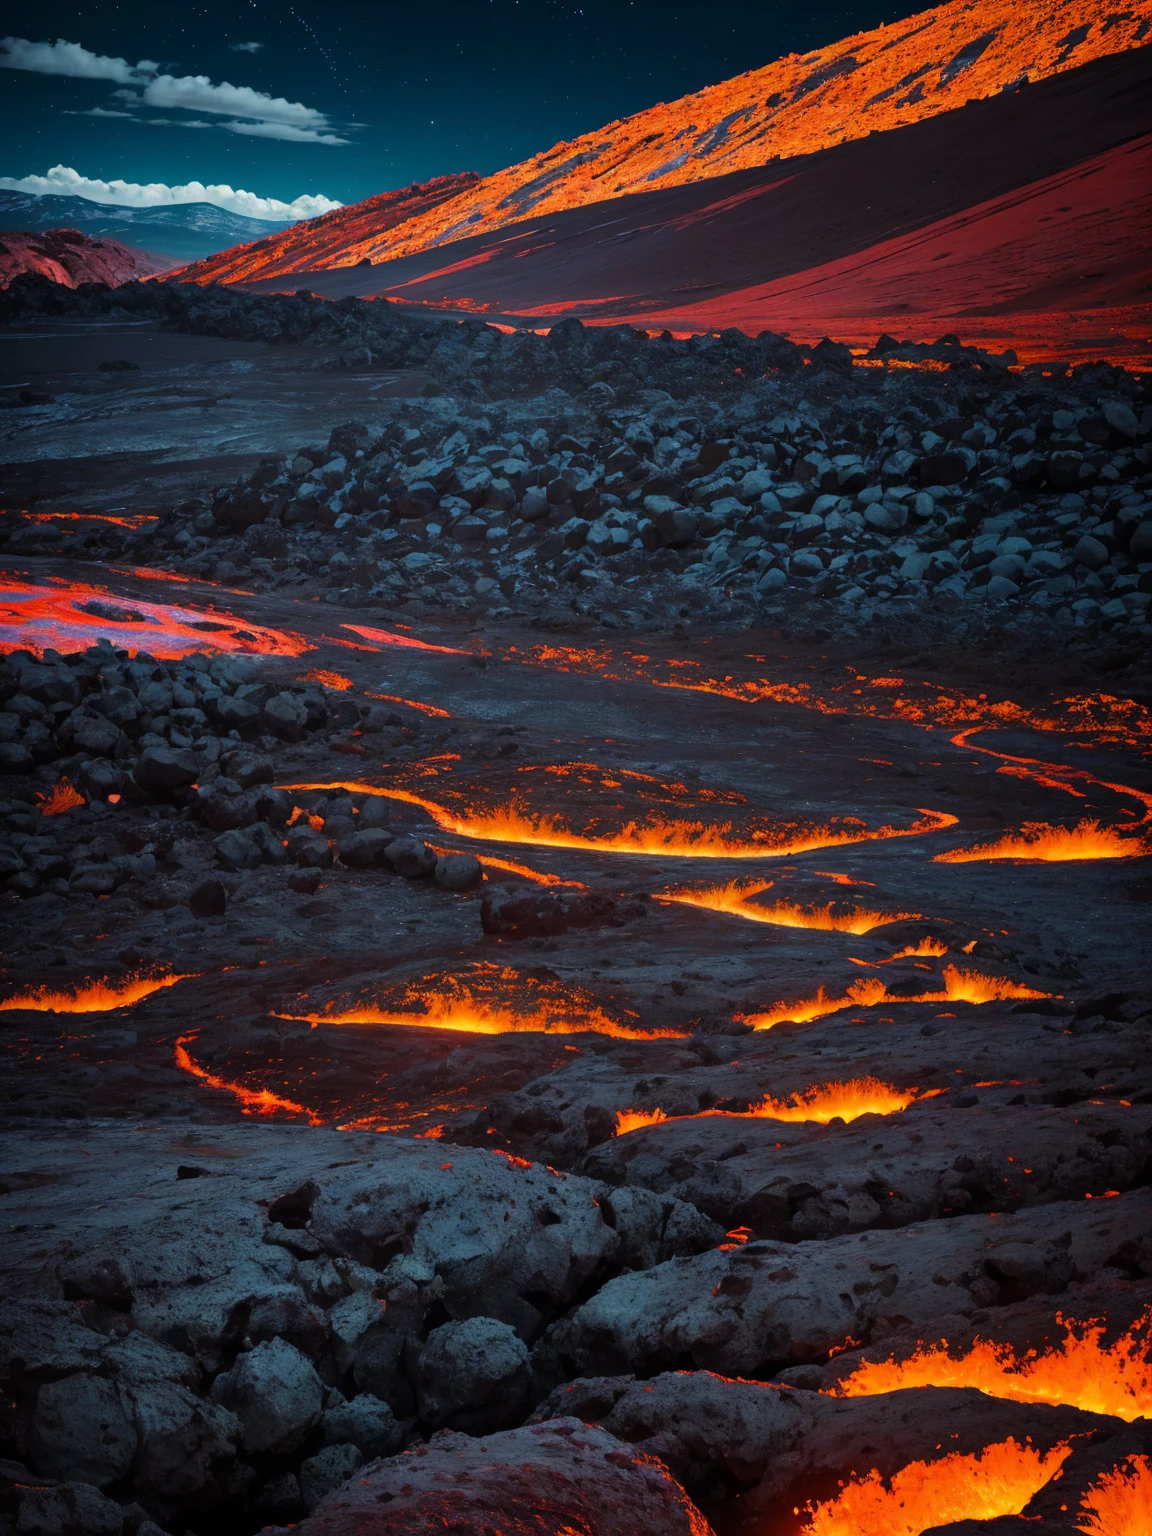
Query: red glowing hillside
[68, 257]
[1024, 219]
[898, 74]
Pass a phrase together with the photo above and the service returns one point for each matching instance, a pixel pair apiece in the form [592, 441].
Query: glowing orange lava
[959, 987]
[334, 680]
[71, 616]
[253, 1101]
[94, 996]
[1078, 1371]
[1120, 1501]
[736, 899]
[1000, 1480]
[821, 1104]
[539, 876]
[406, 642]
[425, 709]
[1036, 840]
[63, 796]
[659, 838]
[133, 520]
[489, 1000]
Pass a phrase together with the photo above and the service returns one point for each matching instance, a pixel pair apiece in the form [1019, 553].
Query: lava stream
[923, 949]
[1039, 841]
[681, 839]
[1078, 1371]
[869, 991]
[1120, 1502]
[1000, 1480]
[736, 898]
[821, 1103]
[63, 796]
[93, 996]
[492, 1000]
[253, 1101]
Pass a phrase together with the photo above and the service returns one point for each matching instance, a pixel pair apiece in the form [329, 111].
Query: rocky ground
[491, 1043]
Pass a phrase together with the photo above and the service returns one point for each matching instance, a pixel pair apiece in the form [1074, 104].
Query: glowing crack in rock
[999, 1480]
[821, 1104]
[959, 987]
[70, 617]
[1079, 1371]
[405, 642]
[1120, 1502]
[489, 1000]
[253, 1101]
[737, 899]
[93, 996]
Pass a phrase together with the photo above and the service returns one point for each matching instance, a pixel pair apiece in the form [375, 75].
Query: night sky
[416, 90]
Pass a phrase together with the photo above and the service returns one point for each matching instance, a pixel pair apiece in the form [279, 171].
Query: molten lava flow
[1078, 1371]
[1000, 1480]
[425, 709]
[489, 1000]
[133, 520]
[69, 617]
[1037, 840]
[661, 838]
[334, 680]
[736, 898]
[822, 1103]
[1120, 1502]
[94, 996]
[253, 1101]
[407, 642]
[517, 869]
[959, 987]
[63, 796]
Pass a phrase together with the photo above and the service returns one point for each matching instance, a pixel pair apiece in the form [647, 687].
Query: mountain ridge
[183, 231]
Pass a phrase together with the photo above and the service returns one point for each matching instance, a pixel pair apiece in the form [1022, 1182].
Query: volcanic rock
[161, 770]
[473, 1376]
[275, 1393]
[537, 1481]
[410, 857]
[459, 872]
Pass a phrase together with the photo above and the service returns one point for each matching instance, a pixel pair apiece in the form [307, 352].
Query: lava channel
[822, 1103]
[869, 991]
[94, 996]
[1000, 1480]
[70, 616]
[1078, 1371]
[736, 899]
[1118, 1503]
[491, 1000]
[680, 839]
[253, 1101]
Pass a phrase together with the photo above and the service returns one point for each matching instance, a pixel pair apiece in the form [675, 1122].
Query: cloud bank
[246, 111]
[245, 47]
[62, 180]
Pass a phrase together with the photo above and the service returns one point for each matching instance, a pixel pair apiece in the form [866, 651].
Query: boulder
[365, 1422]
[275, 1393]
[410, 857]
[472, 1375]
[163, 770]
[365, 850]
[82, 1430]
[285, 715]
[331, 1467]
[459, 872]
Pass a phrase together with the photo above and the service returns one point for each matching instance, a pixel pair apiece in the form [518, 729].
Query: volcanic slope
[69, 257]
[875, 81]
[1031, 202]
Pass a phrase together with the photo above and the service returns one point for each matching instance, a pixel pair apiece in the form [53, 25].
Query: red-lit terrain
[66, 256]
[1020, 217]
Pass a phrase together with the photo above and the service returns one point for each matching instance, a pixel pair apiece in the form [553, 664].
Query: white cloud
[264, 116]
[283, 131]
[245, 47]
[100, 112]
[64, 58]
[62, 180]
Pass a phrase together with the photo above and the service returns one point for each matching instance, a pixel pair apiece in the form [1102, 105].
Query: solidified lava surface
[523, 1064]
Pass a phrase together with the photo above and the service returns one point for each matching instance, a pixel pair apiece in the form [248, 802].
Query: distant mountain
[896, 75]
[185, 232]
[66, 256]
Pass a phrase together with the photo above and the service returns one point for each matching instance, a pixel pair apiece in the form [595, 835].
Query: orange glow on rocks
[71, 617]
[405, 642]
[736, 899]
[1038, 841]
[93, 996]
[1120, 1502]
[253, 1101]
[334, 680]
[133, 520]
[821, 1104]
[1079, 1371]
[1000, 1480]
[488, 1000]
[659, 837]
[425, 709]
[63, 796]
[959, 987]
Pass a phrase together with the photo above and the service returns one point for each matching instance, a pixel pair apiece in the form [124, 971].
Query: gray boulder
[368, 849]
[326, 1471]
[82, 1430]
[365, 1422]
[459, 872]
[410, 857]
[473, 1375]
[161, 770]
[275, 1393]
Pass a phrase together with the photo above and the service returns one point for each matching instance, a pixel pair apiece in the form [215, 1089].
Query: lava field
[537, 1001]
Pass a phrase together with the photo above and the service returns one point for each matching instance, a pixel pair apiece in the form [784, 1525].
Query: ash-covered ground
[575, 926]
